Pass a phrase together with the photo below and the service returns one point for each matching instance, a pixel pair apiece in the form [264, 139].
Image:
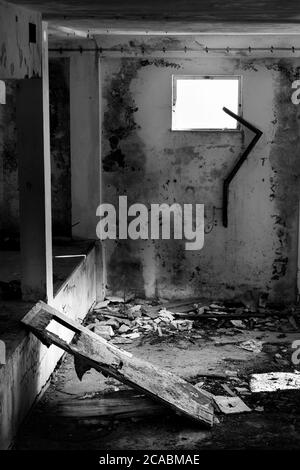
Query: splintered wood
[92, 351]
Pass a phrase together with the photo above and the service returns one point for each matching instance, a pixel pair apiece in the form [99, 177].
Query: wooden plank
[96, 352]
[175, 306]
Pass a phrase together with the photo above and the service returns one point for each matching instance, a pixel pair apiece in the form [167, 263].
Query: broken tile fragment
[238, 324]
[252, 345]
[230, 405]
[105, 331]
[132, 335]
[182, 325]
[165, 314]
[123, 329]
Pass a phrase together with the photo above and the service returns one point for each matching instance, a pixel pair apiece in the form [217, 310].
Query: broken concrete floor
[209, 355]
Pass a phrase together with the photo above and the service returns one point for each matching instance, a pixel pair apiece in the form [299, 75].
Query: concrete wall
[143, 159]
[85, 143]
[30, 365]
[9, 191]
[59, 89]
[18, 57]
[60, 154]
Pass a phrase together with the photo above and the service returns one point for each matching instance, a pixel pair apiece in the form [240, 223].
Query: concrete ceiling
[191, 16]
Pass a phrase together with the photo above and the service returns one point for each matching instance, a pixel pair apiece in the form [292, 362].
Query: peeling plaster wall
[18, 57]
[143, 159]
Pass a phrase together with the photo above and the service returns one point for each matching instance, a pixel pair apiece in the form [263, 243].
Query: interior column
[35, 183]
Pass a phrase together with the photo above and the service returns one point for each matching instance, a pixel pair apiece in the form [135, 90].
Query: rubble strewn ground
[214, 346]
[122, 322]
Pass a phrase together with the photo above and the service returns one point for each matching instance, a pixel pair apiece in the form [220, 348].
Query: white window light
[2, 92]
[198, 101]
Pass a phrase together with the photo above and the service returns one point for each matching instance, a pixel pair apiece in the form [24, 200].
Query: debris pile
[124, 321]
[121, 322]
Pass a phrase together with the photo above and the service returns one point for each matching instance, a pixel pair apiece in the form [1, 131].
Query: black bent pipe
[239, 162]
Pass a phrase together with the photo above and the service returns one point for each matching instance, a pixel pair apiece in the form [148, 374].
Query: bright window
[198, 102]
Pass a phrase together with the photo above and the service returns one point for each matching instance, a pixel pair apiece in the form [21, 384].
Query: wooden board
[93, 351]
[176, 306]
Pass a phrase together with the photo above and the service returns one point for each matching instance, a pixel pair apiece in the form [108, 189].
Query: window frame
[207, 77]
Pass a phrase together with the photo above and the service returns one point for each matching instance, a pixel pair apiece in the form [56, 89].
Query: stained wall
[143, 159]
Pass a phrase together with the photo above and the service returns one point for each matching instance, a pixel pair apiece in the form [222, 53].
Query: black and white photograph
[149, 230]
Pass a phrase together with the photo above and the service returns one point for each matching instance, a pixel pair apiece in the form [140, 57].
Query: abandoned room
[149, 225]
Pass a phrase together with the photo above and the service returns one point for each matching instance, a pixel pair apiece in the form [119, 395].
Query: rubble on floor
[123, 321]
[91, 351]
[219, 356]
[194, 320]
[252, 345]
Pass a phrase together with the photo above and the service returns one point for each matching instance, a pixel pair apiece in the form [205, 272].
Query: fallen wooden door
[93, 351]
